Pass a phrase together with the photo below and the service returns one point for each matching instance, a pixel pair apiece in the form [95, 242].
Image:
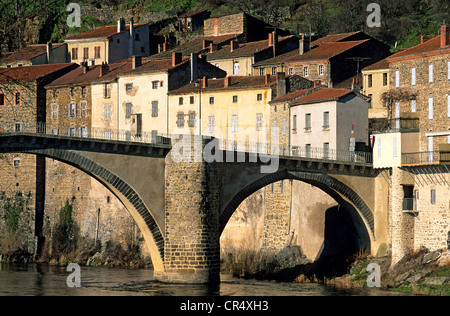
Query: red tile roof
[325, 51]
[30, 73]
[382, 64]
[80, 77]
[27, 53]
[430, 47]
[101, 32]
[325, 94]
[333, 38]
[236, 83]
[295, 95]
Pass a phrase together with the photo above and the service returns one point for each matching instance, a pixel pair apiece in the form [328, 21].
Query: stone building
[22, 108]
[109, 44]
[420, 82]
[38, 54]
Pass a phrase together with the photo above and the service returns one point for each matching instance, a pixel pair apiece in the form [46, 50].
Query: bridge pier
[192, 248]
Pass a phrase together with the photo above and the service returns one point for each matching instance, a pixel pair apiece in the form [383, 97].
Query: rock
[436, 280]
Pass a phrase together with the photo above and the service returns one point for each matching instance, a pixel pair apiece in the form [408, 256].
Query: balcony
[421, 158]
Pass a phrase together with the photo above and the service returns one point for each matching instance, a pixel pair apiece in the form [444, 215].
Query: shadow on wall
[345, 238]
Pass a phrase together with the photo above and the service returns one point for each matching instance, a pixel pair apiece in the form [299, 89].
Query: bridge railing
[331, 154]
[82, 132]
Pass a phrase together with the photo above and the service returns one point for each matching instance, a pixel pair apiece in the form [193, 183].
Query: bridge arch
[338, 190]
[121, 189]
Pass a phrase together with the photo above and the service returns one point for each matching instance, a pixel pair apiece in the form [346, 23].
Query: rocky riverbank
[418, 273]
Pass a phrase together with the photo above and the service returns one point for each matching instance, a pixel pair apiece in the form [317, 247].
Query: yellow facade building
[375, 83]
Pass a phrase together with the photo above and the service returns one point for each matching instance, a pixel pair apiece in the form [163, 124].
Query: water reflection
[48, 280]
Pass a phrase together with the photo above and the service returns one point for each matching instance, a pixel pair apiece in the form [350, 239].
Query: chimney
[274, 37]
[226, 82]
[49, 52]
[316, 83]
[303, 46]
[194, 67]
[85, 67]
[131, 38]
[234, 45]
[136, 61]
[204, 82]
[267, 79]
[202, 57]
[423, 39]
[176, 58]
[206, 43]
[270, 39]
[445, 36]
[355, 85]
[330, 83]
[120, 25]
[281, 84]
[212, 47]
[104, 68]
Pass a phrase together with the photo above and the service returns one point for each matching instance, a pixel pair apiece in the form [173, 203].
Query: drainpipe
[118, 108]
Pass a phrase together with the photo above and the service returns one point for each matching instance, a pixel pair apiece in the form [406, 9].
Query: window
[448, 104]
[83, 131]
[262, 71]
[433, 196]
[378, 141]
[2, 99]
[17, 127]
[235, 98]
[234, 123]
[191, 100]
[430, 72]
[72, 110]
[54, 111]
[305, 71]
[291, 71]
[18, 98]
[326, 120]
[180, 119]
[321, 70]
[430, 107]
[137, 38]
[72, 92]
[413, 76]
[107, 90]
[294, 124]
[397, 78]
[83, 92]
[430, 148]
[154, 108]
[259, 121]
[413, 104]
[108, 135]
[180, 101]
[394, 146]
[74, 53]
[274, 128]
[128, 110]
[397, 115]
[308, 150]
[107, 111]
[235, 68]
[259, 97]
[72, 132]
[154, 136]
[211, 120]
[308, 122]
[370, 101]
[55, 94]
[154, 85]
[284, 125]
[294, 150]
[211, 100]
[83, 108]
[369, 81]
[385, 78]
[274, 71]
[97, 52]
[16, 162]
[326, 150]
[191, 121]
[86, 53]
[129, 87]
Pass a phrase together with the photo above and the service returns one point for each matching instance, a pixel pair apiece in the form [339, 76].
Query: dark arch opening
[348, 226]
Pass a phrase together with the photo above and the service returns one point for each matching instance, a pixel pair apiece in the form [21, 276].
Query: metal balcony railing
[420, 158]
[82, 132]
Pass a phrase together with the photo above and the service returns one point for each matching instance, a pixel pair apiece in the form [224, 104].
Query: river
[50, 280]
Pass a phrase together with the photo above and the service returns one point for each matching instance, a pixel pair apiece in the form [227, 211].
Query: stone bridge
[182, 195]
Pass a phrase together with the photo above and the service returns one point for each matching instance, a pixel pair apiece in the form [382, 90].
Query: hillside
[24, 22]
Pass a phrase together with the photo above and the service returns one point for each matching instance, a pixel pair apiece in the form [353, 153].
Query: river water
[49, 280]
